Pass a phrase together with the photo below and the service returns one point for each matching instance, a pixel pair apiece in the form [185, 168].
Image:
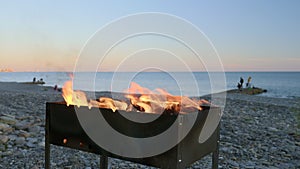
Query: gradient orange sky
[248, 35]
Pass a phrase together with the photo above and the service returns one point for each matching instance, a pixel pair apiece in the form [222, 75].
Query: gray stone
[233, 163]
[30, 145]
[20, 141]
[19, 154]
[2, 148]
[7, 153]
[34, 129]
[32, 140]
[12, 137]
[3, 139]
[24, 134]
[42, 144]
[3, 126]
[35, 167]
[273, 129]
[8, 120]
[22, 125]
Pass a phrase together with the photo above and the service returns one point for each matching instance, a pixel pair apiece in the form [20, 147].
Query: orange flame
[140, 99]
[79, 98]
[73, 97]
[160, 101]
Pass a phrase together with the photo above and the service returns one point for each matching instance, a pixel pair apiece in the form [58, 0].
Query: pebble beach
[256, 132]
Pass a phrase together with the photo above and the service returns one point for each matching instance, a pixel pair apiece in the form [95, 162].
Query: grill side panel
[63, 129]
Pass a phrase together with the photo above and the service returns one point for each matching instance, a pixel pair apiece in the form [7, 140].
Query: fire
[73, 97]
[139, 99]
[160, 100]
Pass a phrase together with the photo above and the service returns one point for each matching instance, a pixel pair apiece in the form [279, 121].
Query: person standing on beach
[249, 82]
[241, 82]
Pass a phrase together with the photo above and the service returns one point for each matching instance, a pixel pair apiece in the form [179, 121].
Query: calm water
[278, 84]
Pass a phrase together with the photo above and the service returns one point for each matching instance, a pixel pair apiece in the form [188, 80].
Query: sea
[277, 84]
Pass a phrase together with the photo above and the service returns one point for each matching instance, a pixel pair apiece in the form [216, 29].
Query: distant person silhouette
[239, 86]
[34, 79]
[56, 88]
[41, 80]
[249, 82]
[241, 82]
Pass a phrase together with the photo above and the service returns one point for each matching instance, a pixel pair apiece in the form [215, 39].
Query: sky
[247, 35]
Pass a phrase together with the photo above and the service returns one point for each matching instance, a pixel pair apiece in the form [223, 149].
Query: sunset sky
[248, 35]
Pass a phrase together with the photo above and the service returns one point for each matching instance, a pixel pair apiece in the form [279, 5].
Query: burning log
[141, 99]
[120, 105]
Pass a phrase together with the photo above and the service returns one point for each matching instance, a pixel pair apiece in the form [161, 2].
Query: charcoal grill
[63, 129]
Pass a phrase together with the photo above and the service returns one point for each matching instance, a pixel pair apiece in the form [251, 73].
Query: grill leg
[47, 141]
[47, 154]
[103, 162]
[215, 154]
[215, 159]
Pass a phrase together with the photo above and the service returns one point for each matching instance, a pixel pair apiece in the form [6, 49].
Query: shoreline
[256, 132]
[256, 91]
[283, 85]
[230, 94]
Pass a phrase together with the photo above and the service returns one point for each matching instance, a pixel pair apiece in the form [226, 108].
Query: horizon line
[231, 71]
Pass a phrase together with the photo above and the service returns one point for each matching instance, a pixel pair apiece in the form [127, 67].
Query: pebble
[233, 163]
[7, 120]
[272, 129]
[30, 144]
[24, 134]
[3, 126]
[7, 153]
[20, 141]
[23, 125]
[3, 139]
[35, 167]
[42, 144]
[32, 140]
[2, 148]
[34, 129]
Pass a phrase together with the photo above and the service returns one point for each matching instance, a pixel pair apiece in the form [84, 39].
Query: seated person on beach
[239, 86]
[56, 88]
[241, 81]
[41, 81]
[248, 85]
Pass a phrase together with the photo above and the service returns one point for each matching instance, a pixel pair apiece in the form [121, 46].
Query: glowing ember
[140, 99]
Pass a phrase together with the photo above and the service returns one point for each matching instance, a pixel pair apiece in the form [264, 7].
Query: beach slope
[256, 132]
